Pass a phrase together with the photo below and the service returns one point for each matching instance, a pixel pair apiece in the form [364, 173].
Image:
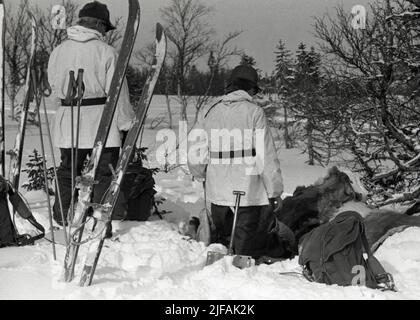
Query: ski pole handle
[80, 84]
[71, 93]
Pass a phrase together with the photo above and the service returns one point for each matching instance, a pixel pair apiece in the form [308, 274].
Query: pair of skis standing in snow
[99, 15]
[102, 212]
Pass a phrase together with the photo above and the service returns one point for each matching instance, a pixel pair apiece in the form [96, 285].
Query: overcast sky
[263, 22]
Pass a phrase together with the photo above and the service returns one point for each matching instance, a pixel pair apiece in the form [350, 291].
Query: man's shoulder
[62, 45]
[96, 43]
[103, 46]
[205, 110]
[252, 107]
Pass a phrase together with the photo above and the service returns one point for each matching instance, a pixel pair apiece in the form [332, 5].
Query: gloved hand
[276, 203]
[124, 135]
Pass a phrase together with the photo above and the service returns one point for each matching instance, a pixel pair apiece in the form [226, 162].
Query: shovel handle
[238, 195]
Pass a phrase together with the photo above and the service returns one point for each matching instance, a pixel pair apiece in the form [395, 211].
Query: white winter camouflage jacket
[85, 49]
[232, 148]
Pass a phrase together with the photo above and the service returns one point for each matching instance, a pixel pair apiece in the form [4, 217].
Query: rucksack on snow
[333, 253]
[137, 194]
[8, 233]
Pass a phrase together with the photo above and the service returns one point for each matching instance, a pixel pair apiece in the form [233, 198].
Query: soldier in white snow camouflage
[86, 49]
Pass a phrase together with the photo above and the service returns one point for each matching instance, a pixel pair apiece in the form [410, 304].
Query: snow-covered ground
[152, 260]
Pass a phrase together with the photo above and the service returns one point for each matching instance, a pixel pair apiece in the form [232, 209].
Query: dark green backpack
[333, 253]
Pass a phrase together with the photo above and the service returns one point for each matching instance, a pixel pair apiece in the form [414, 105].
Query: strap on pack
[384, 279]
[24, 212]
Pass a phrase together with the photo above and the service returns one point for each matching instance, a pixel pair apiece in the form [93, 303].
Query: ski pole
[37, 100]
[71, 98]
[79, 102]
[60, 201]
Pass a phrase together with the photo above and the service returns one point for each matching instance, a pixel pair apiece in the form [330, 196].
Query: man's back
[94, 56]
[241, 153]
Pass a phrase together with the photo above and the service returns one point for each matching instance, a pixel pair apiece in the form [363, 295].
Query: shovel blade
[242, 262]
[213, 256]
[238, 261]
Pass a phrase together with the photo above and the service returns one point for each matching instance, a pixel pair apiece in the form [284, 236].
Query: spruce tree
[247, 60]
[283, 76]
[306, 96]
[35, 171]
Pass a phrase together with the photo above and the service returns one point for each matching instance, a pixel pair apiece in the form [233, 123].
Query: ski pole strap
[80, 85]
[71, 89]
[85, 102]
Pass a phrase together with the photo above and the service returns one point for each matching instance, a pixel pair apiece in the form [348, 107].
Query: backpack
[7, 230]
[8, 233]
[333, 254]
[137, 194]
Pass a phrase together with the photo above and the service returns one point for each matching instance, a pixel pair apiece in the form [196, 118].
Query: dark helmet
[245, 75]
[99, 11]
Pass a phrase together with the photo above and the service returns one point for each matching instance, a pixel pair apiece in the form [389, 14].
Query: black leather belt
[233, 154]
[85, 102]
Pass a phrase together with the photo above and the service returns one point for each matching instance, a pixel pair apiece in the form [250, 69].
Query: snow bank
[151, 260]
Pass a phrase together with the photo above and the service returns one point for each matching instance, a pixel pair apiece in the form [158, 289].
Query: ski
[103, 212]
[86, 181]
[17, 151]
[2, 106]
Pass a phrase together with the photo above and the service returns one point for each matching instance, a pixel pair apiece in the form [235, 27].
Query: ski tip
[159, 31]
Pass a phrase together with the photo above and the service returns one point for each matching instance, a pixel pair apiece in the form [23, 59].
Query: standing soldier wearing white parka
[85, 49]
[246, 160]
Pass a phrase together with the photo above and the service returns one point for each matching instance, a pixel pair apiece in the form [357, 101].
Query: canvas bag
[137, 194]
[8, 233]
[333, 254]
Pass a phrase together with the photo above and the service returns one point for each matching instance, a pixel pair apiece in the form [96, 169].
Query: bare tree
[18, 36]
[384, 58]
[145, 58]
[48, 36]
[219, 56]
[190, 34]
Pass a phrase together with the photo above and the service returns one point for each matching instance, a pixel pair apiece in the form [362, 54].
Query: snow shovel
[239, 261]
